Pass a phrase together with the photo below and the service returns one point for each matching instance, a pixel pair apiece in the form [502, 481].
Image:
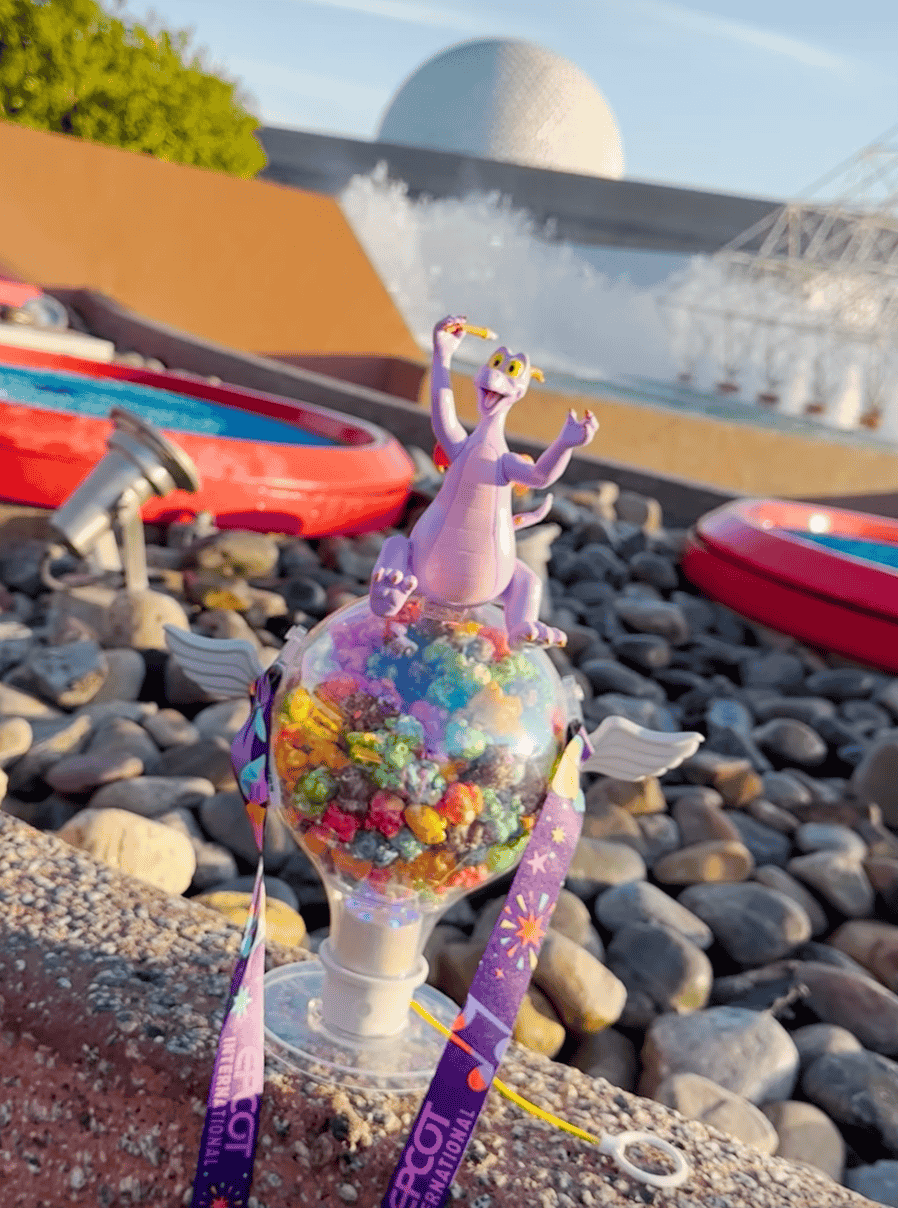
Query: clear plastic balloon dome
[413, 754]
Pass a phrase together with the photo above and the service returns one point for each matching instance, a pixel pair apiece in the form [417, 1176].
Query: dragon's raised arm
[447, 335]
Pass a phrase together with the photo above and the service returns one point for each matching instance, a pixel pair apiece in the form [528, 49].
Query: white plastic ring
[616, 1146]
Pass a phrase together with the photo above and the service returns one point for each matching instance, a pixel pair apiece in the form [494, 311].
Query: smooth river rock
[746, 1052]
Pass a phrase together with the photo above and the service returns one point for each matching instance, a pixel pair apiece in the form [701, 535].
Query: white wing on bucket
[223, 667]
[625, 751]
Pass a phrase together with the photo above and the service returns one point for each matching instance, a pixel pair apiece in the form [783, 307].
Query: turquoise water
[57, 390]
[857, 547]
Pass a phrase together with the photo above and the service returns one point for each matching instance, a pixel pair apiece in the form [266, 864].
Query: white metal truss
[810, 292]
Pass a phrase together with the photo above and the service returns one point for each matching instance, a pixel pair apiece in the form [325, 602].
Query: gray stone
[716, 860]
[823, 836]
[812, 710]
[15, 738]
[586, 995]
[878, 1181]
[126, 671]
[89, 604]
[225, 718]
[67, 675]
[127, 710]
[701, 822]
[734, 778]
[169, 728]
[777, 878]
[806, 1134]
[859, 1089]
[853, 1001]
[598, 864]
[123, 736]
[791, 742]
[662, 971]
[214, 864]
[747, 1052]
[843, 683]
[641, 712]
[660, 835]
[649, 567]
[875, 779]
[151, 796]
[645, 651]
[773, 669]
[773, 816]
[641, 902]
[754, 924]
[75, 774]
[698, 1098]
[51, 739]
[837, 877]
[605, 675]
[209, 759]
[607, 1054]
[224, 819]
[815, 1039]
[648, 616]
[767, 846]
[14, 703]
[865, 715]
[246, 554]
[786, 790]
[137, 620]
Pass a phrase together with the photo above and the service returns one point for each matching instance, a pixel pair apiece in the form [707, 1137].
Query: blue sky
[759, 98]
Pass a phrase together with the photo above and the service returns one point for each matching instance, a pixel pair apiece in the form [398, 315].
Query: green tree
[71, 67]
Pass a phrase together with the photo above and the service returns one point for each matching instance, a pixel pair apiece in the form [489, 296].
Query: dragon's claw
[535, 633]
[389, 591]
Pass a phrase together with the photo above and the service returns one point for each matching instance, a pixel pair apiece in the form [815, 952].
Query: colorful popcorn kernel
[318, 785]
[357, 869]
[461, 803]
[407, 844]
[344, 825]
[425, 823]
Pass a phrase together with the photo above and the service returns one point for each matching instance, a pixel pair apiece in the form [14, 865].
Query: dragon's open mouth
[492, 398]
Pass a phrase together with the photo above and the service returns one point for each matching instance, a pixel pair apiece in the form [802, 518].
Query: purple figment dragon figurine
[462, 550]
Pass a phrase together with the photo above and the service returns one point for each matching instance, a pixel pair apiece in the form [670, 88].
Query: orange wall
[254, 265]
[738, 457]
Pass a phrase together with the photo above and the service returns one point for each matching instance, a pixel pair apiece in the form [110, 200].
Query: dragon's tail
[526, 519]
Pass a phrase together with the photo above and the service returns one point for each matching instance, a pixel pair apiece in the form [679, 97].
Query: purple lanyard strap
[228, 1146]
[480, 1034]
[482, 1031]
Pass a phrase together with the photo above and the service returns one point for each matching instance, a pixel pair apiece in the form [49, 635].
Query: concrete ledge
[111, 1002]
[72, 343]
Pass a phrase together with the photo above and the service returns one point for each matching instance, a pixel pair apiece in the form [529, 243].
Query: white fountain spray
[482, 258]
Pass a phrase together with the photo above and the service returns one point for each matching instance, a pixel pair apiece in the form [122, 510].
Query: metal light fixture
[100, 520]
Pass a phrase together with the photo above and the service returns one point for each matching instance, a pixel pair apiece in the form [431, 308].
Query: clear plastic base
[296, 1037]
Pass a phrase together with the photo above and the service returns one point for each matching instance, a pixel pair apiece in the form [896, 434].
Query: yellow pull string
[509, 1093]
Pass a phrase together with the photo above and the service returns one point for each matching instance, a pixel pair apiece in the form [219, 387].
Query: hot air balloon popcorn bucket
[411, 756]
[415, 743]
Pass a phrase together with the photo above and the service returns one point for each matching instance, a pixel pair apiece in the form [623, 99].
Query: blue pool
[858, 547]
[58, 390]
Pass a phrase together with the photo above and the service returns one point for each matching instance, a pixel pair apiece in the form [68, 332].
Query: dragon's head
[503, 381]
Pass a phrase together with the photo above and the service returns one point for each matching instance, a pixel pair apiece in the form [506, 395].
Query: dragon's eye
[496, 361]
[514, 368]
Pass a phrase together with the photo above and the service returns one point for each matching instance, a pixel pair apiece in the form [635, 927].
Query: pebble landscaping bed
[728, 941]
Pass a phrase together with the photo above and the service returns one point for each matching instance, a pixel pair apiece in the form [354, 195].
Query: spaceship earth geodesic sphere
[508, 100]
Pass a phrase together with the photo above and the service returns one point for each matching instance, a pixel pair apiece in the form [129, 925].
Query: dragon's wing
[223, 667]
[625, 751]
